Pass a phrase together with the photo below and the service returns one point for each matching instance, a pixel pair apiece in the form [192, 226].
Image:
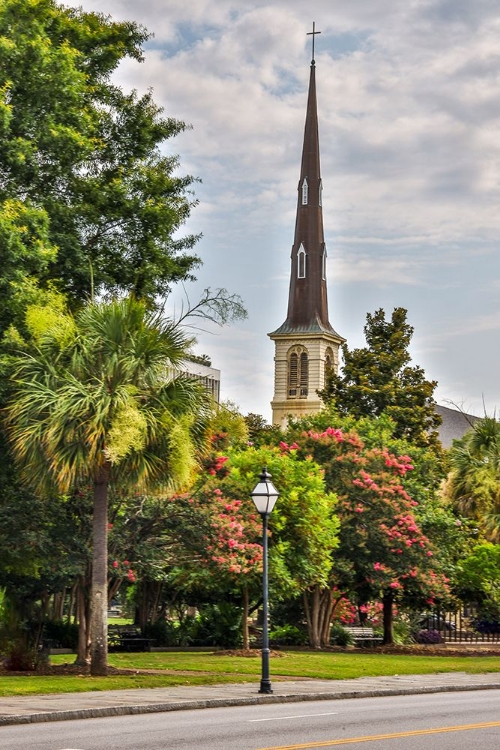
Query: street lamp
[264, 496]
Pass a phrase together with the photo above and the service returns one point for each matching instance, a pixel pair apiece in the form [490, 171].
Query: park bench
[363, 636]
[127, 638]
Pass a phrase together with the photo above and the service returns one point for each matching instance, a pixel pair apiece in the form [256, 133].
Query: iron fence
[467, 624]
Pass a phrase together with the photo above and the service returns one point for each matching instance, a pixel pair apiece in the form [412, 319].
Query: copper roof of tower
[307, 300]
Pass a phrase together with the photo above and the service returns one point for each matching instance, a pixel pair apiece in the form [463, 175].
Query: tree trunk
[72, 614]
[99, 594]
[113, 587]
[246, 635]
[82, 656]
[388, 615]
[327, 606]
[58, 605]
[142, 605]
[312, 601]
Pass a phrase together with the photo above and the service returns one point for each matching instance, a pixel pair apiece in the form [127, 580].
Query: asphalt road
[448, 721]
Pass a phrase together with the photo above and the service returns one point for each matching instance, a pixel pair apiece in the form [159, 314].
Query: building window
[301, 263]
[305, 192]
[328, 363]
[320, 195]
[304, 375]
[323, 263]
[298, 373]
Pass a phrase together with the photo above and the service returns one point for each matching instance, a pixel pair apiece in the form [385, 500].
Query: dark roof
[314, 327]
[455, 424]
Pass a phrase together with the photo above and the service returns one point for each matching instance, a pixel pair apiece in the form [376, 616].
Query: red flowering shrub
[215, 466]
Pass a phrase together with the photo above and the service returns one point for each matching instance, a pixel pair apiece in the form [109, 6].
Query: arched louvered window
[293, 375]
[298, 373]
[323, 263]
[328, 362]
[304, 374]
[301, 263]
[305, 192]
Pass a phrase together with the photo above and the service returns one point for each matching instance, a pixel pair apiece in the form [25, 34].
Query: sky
[409, 125]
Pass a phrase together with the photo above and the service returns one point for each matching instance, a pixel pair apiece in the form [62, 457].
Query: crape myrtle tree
[303, 528]
[383, 553]
[153, 540]
[99, 400]
[378, 379]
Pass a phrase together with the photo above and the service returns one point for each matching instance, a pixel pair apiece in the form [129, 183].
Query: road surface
[448, 721]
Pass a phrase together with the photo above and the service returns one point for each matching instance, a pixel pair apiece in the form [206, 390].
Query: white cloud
[410, 139]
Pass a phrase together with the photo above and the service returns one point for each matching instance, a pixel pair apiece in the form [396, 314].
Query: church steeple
[306, 344]
[307, 300]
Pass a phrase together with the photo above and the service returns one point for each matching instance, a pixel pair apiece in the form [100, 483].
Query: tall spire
[307, 300]
[306, 348]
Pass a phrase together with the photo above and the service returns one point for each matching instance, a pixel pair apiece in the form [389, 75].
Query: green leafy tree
[260, 432]
[227, 426]
[82, 160]
[478, 581]
[480, 573]
[98, 401]
[378, 378]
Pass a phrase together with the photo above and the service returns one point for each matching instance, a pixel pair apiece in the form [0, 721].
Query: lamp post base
[265, 687]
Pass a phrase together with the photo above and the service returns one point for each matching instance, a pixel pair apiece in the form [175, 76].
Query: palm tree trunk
[82, 657]
[99, 594]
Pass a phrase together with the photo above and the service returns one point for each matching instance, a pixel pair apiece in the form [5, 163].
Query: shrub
[288, 635]
[339, 636]
[402, 632]
[165, 633]
[429, 636]
[21, 657]
[218, 625]
[61, 634]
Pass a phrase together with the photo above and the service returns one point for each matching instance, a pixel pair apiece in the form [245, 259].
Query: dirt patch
[248, 652]
[60, 670]
[439, 651]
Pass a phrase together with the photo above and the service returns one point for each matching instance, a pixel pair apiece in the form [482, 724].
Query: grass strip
[210, 669]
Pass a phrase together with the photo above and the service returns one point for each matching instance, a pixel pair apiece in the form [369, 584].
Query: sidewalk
[28, 709]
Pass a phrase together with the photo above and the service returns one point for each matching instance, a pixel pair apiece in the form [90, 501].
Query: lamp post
[264, 497]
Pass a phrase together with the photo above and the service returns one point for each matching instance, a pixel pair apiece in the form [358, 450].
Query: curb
[95, 713]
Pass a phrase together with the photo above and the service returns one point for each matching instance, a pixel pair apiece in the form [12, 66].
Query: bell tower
[306, 345]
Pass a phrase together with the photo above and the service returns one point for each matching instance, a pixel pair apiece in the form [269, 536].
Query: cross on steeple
[313, 34]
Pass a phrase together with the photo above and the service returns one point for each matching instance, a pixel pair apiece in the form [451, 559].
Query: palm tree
[474, 480]
[100, 400]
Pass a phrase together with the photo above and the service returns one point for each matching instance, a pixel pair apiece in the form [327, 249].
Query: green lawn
[207, 669]
[326, 666]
